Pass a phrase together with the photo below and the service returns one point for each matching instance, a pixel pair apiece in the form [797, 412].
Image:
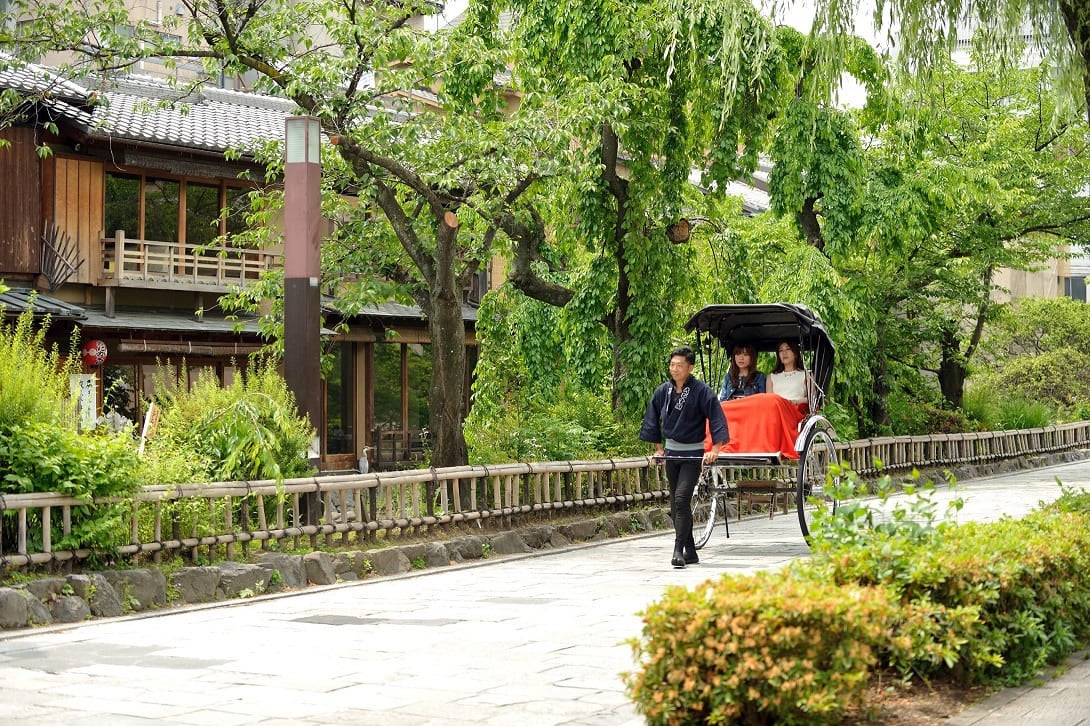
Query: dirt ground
[916, 704]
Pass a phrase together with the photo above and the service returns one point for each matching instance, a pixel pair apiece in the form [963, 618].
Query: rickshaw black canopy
[764, 325]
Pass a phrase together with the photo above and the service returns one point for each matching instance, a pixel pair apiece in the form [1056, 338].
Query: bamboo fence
[228, 519]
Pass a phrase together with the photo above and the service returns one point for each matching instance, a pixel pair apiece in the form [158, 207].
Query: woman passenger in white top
[788, 379]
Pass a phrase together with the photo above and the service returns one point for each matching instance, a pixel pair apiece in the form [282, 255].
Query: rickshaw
[796, 464]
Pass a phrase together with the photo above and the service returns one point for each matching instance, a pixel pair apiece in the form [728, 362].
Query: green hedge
[989, 603]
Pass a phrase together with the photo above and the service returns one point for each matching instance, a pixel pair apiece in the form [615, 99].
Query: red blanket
[761, 423]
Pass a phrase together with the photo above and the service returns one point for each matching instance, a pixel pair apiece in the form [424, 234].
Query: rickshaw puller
[678, 416]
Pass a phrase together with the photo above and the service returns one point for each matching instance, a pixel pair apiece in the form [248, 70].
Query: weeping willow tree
[694, 87]
[925, 32]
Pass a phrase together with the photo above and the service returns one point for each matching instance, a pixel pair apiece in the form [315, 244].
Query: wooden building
[120, 230]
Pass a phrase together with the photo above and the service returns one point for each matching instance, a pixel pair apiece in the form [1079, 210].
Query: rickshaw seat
[763, 422]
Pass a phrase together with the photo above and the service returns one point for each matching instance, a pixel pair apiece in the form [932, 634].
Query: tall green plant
[247, 430]
[41, 450]
[33, 377]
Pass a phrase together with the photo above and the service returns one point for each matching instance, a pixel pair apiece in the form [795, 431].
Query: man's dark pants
[682, 472]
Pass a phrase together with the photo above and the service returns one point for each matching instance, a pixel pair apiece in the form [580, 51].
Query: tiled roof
[147, 110]
[16, 300]
[213, 119]
[37, 81]
[167, 321]
[391, 311]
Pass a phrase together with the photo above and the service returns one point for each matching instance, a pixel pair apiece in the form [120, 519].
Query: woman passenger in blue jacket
[742, 378]
[679, 415]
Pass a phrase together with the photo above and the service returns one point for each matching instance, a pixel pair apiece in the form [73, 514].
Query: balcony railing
[174, 266]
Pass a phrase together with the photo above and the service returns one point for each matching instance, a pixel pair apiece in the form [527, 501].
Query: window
[402, 376]
[150, 208]
[119, 392]
[161, 210]
[123, 205]
[388, 386]
[202, 212]
[1075, 287]
[419, 378]
[237, 207]
[340, 394]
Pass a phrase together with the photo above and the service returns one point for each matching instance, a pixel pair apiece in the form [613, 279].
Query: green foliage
[968, 607]
[1058, 377]
[248, 430]
[1031, 326]
[681, 86]
[926, 37]
[981, 406]
[34, 379]
[857, 521]
[42, 457]
[956, 189]
[890, 586]
[41, 451]
[576, 425]
[1024, 413]
[919, 416]
[1037, 369]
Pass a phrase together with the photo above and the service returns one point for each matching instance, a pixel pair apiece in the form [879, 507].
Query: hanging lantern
[94, 353]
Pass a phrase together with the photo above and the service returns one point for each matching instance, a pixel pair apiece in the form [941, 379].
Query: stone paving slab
[536, 639]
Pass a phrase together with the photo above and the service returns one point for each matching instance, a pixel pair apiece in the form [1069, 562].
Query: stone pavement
[539, 639]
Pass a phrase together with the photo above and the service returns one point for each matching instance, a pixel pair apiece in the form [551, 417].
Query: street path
[538, 639]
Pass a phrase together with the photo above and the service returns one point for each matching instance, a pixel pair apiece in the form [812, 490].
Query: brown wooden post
[302, 302]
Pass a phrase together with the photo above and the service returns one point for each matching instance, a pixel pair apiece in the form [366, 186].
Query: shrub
[994, 412]
[982, 602]
[769, 648]
[1031, 326]
[981, 406]
[247, 430]
[41, 457]
[1059, 377]
[1022, 413]
[915, 416]
[989, 603]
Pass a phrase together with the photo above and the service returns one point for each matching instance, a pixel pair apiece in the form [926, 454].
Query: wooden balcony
[172, 266]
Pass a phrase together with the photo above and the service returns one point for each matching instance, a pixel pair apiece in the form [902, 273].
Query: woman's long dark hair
[735, 381]
[798, 356]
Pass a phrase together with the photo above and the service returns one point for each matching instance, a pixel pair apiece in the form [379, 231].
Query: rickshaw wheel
[705, 504]
[818, 468]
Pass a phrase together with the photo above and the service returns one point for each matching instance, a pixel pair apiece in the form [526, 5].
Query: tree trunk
[877, 410]
[446, 392]
[617, 321]
[807, 219]
[952, 371]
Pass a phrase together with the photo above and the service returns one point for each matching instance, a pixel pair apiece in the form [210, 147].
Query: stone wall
[111, 593]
